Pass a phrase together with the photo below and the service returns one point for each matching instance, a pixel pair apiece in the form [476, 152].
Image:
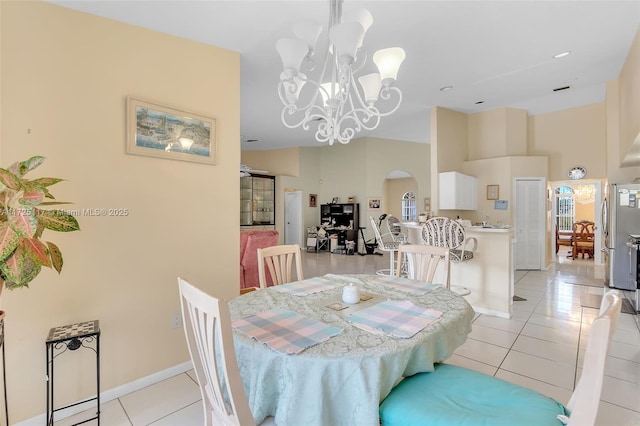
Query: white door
[529, 207]
[293, 217]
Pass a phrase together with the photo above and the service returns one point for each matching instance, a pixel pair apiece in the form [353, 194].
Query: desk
[489, 275]
[343, 380]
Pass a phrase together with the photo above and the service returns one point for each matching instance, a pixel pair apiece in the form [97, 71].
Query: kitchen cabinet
[257, 201]
[457, 191]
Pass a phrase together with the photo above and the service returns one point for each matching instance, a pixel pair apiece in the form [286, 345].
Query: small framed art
[493, 192]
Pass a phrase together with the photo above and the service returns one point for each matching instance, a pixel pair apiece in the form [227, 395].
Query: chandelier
[584, 194]
[334, 101]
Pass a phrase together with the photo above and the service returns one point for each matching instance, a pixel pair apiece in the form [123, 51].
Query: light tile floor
[541, 347]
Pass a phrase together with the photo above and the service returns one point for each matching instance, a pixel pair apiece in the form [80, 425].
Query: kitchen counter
[489, 275]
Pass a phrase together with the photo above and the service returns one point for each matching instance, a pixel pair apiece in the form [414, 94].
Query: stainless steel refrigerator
[620, 218]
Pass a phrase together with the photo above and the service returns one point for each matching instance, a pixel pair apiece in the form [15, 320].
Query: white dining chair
[422, 262]
[456, 395]
[279, 262]
[207, 327]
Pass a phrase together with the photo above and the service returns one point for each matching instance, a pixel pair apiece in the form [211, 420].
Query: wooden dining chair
[279, 261]
[456, 395]
[207, 327]
[583, 238]
[423, 261]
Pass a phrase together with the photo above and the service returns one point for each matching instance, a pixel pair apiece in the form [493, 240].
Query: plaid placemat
[394, 318]
[405, 284]
[285, 331]
[306, 287]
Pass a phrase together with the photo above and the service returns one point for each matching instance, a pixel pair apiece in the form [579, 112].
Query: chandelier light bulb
[292, 52]
[308, 31]
[361, 16]
[388, 62]
[346, 38]
[371, 84]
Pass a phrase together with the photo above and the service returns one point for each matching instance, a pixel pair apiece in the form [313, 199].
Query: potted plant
[23, 221]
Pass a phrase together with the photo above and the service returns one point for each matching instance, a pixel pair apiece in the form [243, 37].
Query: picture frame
[375, 203]
[313, 200]
[160, 131]
[493, 192]
[334, 200]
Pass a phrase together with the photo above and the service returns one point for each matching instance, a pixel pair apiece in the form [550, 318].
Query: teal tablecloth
[343, 380]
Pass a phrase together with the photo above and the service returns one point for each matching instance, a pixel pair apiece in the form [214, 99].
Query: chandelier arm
[385, 95]
[357, 66]
[309, 115]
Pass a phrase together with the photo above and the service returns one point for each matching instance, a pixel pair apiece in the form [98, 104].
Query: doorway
[529, 205]
[293, 217]
[584, 207]
[396, 185]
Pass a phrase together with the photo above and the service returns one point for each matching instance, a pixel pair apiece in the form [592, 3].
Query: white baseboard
[112, 394]
[491, 312]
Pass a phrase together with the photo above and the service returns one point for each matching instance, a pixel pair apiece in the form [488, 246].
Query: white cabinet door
[457, 191]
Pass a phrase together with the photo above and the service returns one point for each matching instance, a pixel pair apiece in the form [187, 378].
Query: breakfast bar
[489, 275]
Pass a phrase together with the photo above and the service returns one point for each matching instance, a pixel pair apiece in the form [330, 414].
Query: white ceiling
[499, 52]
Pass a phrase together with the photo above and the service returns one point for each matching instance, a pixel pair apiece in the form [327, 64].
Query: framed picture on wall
[313, 200]
[493, 192]
[375, 203]
[155, 130]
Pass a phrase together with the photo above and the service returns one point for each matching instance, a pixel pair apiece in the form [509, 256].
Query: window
[409, 206]
[565, 209]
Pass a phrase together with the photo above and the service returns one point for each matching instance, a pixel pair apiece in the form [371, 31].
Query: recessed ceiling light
[445, 88]
[562, 54]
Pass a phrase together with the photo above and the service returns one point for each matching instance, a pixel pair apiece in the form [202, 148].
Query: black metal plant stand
[72, 337]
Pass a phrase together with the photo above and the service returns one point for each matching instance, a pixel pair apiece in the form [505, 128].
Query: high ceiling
[496, 52]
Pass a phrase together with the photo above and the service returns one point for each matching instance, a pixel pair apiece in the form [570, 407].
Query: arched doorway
[397, 185]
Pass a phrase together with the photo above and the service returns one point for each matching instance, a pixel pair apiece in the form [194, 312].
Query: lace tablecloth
[341, 381]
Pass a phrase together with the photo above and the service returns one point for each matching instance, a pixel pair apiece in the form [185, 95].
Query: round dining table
[342, 380]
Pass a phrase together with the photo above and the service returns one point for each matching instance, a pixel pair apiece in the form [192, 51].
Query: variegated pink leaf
[36, 250]
[23, 220]
[8, 241]
[56, 256]
[20, 269]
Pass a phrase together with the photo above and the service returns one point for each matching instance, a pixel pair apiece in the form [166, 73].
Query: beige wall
[500, 171]
[65, 76]
[497, 133]
[629, 100]
[449, 146]
[276, 162]
[571, 137]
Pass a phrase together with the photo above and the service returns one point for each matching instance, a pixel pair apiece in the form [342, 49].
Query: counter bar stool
[444, 232]
[390, 247]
